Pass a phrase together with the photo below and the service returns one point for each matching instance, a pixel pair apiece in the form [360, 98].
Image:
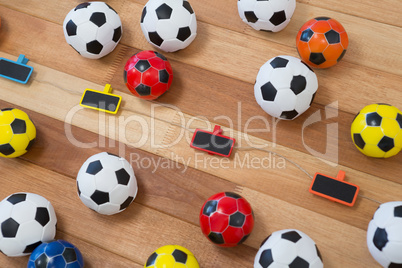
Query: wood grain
[385, 11]
[135, 225]
[241, 64]
[94, 256]
[213, 84]
[134, 132]
[287, 133]
[168, 189]
[292, 184]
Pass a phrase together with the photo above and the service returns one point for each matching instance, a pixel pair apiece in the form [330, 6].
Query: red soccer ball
[148, 74]
[226, 219]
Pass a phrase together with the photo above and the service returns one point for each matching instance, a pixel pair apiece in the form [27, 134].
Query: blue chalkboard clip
[17, 71]
[22, 60]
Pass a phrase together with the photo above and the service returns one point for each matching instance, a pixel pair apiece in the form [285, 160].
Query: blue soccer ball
[56, 254]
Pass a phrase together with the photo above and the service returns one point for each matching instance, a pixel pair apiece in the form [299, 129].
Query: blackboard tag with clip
[101, 100]
[335, 189]
[17, 71]
[213, 143]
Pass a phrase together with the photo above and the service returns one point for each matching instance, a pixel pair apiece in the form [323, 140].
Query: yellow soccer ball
[172, 257]
[377, 130]
[17, 133]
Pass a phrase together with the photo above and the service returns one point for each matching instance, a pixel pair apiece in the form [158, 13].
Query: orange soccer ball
[322, 42]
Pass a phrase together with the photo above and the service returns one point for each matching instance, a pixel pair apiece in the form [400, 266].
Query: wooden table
[213, 80]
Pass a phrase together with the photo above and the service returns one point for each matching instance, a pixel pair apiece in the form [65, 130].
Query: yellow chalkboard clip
[103, 101]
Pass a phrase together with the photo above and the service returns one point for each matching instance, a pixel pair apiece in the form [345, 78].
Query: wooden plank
[45, 39]
[173, 183]
[274, 175]
[141, 237]
[337, 84]
[202, 82]
[335, 240]
[217, 71]
[220, 99]
[209, 50]
[160, 179]
[161, 184]
[235, 171]
[94, 256]
[246, 47]
[49, 92]
[385, 11]
[224, 14]
[134, 233]
[50, 11]
[359, 31]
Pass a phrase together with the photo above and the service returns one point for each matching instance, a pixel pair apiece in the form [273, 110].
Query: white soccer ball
[170, 25]
[288, 248]
[285, 87]
[93, 29]
[271, 16]
[106, 183]
[384, 235]
[26, 221]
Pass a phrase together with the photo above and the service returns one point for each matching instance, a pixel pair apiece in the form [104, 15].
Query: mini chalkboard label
[17, 71]
[101, 100]
[335, 189]
[212, 142]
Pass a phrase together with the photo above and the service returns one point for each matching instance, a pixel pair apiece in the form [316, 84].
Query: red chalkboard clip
[217, 131]
[214, 143]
